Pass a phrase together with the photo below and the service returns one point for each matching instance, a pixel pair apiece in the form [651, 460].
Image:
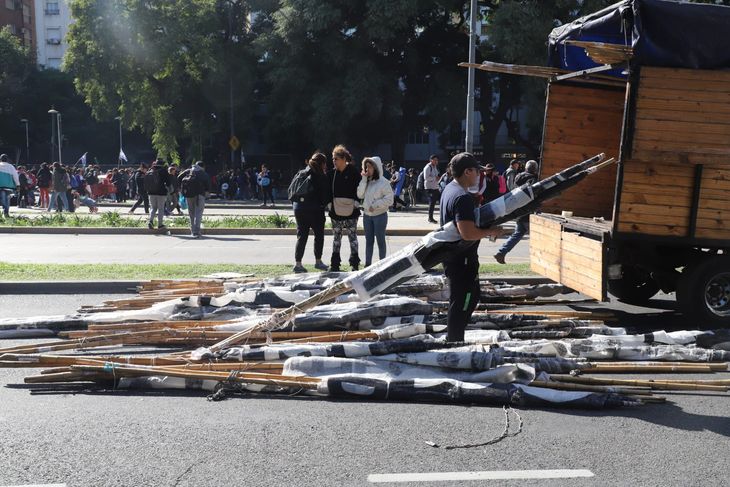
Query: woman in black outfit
[309, 212]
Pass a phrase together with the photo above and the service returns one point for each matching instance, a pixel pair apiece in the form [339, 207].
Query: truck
[646, 82]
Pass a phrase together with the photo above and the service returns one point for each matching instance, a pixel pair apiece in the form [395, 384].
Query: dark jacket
[139, 181]
[164, 179]
[44, 178]
[205, 178]
[319, 197]
[344, 185]
[524, 178]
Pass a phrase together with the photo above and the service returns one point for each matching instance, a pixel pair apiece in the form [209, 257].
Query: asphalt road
[89, 438]
[219, 249]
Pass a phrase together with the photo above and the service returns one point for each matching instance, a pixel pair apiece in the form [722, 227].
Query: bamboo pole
[591, 388]
[282, 317]
[654, 384]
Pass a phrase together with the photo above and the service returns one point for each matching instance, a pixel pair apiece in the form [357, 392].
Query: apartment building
[18, 15]
[52, 20]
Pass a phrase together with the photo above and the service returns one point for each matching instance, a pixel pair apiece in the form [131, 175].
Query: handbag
[183, 202]
[343, 206]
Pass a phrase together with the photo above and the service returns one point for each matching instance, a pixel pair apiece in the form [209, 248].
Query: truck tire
[635, 286]
[703, 293]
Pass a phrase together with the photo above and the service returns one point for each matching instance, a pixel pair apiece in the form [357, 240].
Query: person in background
[44, 177]
[431, 184]
[411, 190]
[522, 224]
[344, 211]
[265, 184]
[445, 179]
[59, 185]
[142, 196]
[156, 183]
[9, 182]
[490, 184]
[512, 171]
[81, 199]
[173, 198]
[195, 185]
[309, 211]
[376, 195]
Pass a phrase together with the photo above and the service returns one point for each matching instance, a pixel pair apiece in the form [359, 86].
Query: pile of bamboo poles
[604, 53]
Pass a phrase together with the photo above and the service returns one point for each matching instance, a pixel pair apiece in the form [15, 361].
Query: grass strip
[124, 272]
[116, 220]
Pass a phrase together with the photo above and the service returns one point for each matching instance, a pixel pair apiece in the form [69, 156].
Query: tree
[15, 67]
[164, 66]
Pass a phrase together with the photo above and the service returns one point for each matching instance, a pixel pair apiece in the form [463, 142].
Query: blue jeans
[5, 200]
[64, 200]
[521, 228]
[374, 229]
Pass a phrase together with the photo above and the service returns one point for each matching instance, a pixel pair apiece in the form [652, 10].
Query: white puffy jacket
[376, 195]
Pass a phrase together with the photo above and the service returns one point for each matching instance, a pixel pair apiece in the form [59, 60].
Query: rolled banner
[433, 248]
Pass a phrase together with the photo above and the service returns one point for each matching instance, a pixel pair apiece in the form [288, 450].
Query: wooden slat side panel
[580, 123]
[683, 116]
[656, 198]
[713, 216]
[566, 257]
[545, 247]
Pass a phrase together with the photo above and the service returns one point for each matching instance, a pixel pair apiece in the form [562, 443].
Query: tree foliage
[15, 67]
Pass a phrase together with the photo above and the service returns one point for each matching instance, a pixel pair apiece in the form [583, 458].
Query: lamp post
[119, 157]
[24, 121]
[60, 138]
[54, 115]
[469, 142]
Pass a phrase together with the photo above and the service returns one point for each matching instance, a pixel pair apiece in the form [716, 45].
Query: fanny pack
[343, 206]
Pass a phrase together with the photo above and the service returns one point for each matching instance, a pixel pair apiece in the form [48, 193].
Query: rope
[505, 433]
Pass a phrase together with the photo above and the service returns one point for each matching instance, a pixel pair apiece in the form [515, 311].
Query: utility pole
[53, 112]
[24, 121]
[230, 82]
[469, 142]
[119, 156]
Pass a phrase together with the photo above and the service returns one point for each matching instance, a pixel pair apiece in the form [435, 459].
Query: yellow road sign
[234, 143]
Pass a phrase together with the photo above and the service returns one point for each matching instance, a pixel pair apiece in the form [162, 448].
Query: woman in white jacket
[377, 196]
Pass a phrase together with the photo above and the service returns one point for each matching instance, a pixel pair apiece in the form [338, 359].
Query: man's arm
[469, 231]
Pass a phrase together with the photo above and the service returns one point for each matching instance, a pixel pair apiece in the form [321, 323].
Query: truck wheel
[704, 292]
[635, 286]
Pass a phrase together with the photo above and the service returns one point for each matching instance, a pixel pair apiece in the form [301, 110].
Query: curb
[129, 287]
[416, 232]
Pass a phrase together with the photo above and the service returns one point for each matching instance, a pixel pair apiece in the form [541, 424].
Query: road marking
[36, 485]
[484, 475]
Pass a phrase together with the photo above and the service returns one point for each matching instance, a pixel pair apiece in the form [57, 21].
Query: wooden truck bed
[571, 251]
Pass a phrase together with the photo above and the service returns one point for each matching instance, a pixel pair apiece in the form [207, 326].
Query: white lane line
[36, 485]
[484, 475]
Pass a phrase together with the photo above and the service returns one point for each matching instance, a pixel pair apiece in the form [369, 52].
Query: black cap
[461, 162]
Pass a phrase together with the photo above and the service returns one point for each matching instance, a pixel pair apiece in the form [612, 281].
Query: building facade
[52, 20]
[18, 15]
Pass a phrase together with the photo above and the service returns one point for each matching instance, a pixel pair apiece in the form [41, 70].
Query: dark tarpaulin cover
[662, 32]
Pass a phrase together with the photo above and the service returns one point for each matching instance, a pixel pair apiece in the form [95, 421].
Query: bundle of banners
[378, 333]
[389, 347]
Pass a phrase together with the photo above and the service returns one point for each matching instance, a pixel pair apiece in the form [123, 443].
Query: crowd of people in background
[339, 188]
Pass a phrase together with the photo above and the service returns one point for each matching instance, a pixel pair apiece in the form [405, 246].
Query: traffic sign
[234, 143]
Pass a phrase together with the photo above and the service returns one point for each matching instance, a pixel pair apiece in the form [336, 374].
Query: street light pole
[24, 121]
[119, 157]
[60, 138]
[469, 142]
[53, 112]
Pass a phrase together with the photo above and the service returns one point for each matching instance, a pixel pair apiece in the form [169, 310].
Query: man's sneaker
[299, 269]
[499, 258]
[162, 227]
[431, 220]
[321, 266]
[150, 226]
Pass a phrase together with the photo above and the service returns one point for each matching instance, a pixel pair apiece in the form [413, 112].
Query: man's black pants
[463, 276]
[433, 197]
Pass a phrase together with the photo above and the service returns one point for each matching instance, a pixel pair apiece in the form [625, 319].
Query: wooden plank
[662, 230]
[580, 124]
[684, 116]
[643, 104]
[681, 127]
[641, 197]
[675, 157]
[687, 139]
[687, 84]
[713, 233]
[652, 211]
[642, 143]
[650, 72]
[682, 94]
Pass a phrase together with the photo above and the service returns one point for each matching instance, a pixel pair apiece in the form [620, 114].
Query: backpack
[152, 181]
[301, 185]
[420, 182]
[192, 184]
